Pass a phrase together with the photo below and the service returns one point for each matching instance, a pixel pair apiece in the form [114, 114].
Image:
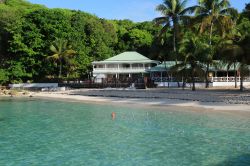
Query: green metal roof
[128, 57]
[218, 66]
[164, 66]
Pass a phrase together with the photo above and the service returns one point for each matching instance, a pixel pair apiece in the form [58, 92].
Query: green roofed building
[123, 66]
[220, 74]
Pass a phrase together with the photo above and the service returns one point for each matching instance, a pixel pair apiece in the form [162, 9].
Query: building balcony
[121, 70]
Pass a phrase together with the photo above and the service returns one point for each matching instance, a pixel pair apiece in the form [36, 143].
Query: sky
[135, 10]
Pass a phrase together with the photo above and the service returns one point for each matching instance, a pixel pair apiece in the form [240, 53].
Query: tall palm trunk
[207, 70]
[235, 75]
[193, 79]
[175, 31]
[210, 43]
[211, 33]
[241, 84]
[60, 68]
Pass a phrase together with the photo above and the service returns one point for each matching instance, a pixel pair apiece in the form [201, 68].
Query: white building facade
[127, 65]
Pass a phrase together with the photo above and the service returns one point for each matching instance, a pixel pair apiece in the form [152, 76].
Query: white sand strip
[147, 101]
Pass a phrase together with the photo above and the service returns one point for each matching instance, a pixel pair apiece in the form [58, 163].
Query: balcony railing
[211, 79]
[121, 68]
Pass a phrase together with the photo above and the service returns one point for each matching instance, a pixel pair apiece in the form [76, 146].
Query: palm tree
[62, 51]
[193, 48]
[244, 60]
[215, 14]
[173, 12]
[231, 53]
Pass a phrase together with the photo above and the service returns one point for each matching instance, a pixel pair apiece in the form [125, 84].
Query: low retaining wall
[221, 84]
[201, 85]
[175, 84]
[34, 85]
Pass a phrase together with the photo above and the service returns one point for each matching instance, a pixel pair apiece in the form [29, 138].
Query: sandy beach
[223, 100]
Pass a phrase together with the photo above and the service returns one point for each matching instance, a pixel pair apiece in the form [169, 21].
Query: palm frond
[168, 4]
[206, 22]
[54, 56]
[232, 12]
[189, 10]
[161, 20]
[69, 53]
[162, 8]
[184, 4]
[174, 5]
[53, 49]
[224, 4]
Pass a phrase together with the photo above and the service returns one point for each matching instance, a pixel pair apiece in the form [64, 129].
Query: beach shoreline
[213, 100]
[155, 98]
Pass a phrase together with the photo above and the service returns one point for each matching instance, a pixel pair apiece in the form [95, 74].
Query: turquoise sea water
[41, 132]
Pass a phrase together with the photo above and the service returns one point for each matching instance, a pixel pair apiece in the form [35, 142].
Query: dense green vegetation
[211, 31]
[40, 44]
[30, 34]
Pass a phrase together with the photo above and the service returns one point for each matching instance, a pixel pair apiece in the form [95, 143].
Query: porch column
[227, 76]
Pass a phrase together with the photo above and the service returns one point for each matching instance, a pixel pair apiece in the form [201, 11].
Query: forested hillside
[41, 44]
[28, 31]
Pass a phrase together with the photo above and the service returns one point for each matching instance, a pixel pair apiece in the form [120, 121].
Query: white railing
[212, 79]
[224, 79]
[121, 68]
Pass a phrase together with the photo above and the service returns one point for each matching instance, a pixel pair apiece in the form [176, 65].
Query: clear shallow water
[40, 132]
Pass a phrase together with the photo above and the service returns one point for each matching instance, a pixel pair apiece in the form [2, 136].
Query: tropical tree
[62, 52]
[231, 53]
[3, 76]
[193, 49]
[214, 15]
[244, 59]
[173, 11]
